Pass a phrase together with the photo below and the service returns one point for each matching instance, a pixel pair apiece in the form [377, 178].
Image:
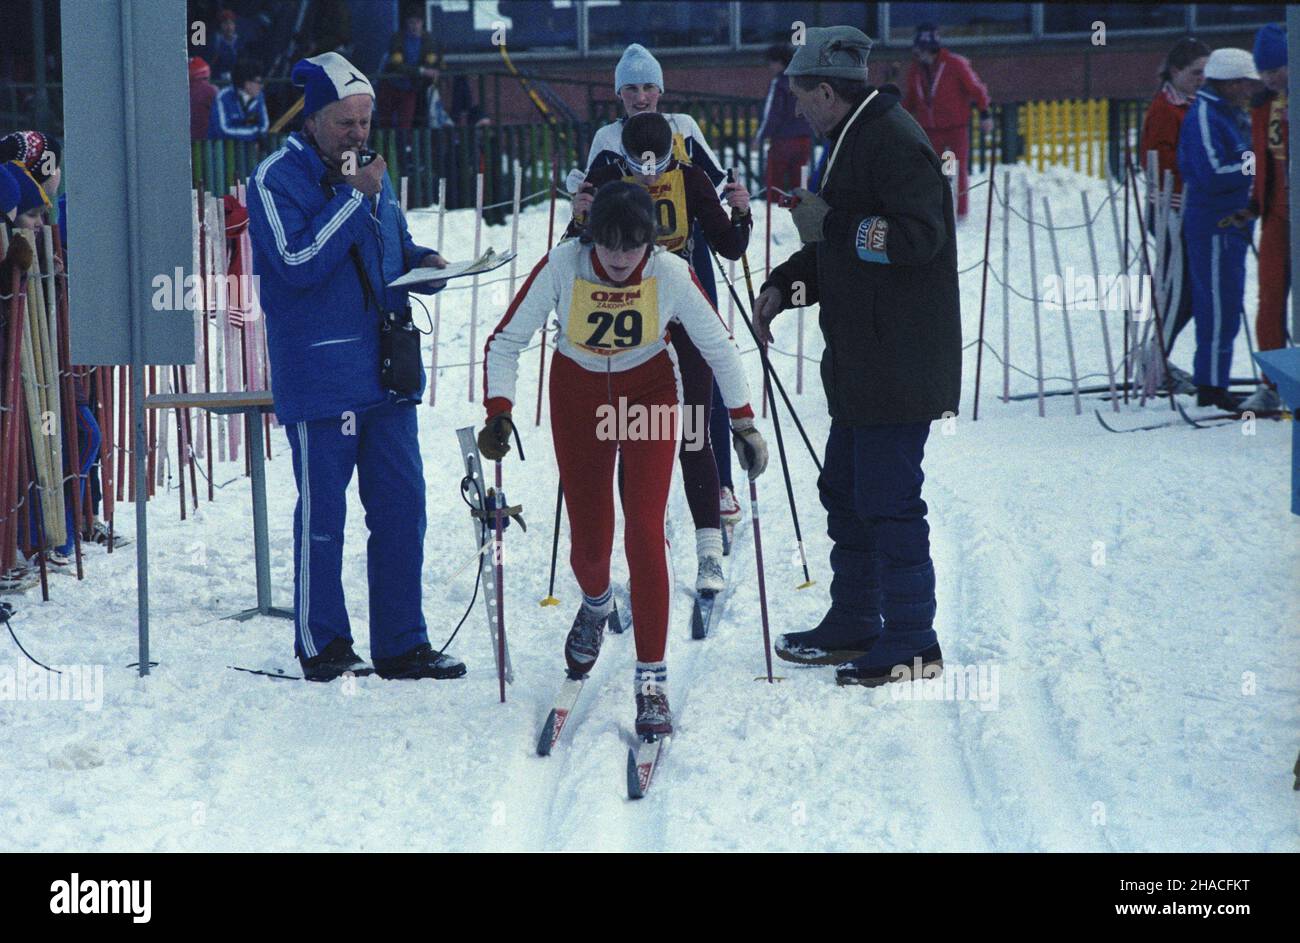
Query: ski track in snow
[1136, 593]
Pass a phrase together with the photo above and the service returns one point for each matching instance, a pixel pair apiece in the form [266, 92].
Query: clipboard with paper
[487, 262]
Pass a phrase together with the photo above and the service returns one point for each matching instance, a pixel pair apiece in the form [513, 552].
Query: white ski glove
[573, 182]
[751, 450]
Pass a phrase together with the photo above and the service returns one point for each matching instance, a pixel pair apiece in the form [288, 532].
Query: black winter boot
[420, 662]
[336, 660]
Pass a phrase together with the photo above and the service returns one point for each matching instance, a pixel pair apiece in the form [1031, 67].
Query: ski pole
[767, 367]
[498, 504]
[780, 441]
[1155, 306]
[762, 585]
[776, 417]
[550, 599]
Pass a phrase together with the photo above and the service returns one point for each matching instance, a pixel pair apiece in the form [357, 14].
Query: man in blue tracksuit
[327, 237]
[1212, 145]
[239, 112]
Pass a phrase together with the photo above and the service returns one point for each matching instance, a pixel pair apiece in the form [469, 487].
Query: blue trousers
[882, 577]
[88, 439]
[1217, 259]
[381, 443]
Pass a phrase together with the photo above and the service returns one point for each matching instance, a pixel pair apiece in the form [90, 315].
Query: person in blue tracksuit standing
[328, 236]
[1213, 147]
[239, 113]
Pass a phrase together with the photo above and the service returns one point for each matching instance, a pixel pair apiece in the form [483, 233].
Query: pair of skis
[643, 758]
[1196, 422]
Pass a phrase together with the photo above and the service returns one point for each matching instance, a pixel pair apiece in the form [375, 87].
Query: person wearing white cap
[1213, 141]
[639, 82]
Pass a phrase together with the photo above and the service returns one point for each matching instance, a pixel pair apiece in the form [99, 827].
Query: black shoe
[924, 665]
[1219, 397]
[420, 662]
[336, 660]
[832, 642]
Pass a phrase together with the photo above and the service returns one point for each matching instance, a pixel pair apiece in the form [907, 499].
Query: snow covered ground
[1127, 604]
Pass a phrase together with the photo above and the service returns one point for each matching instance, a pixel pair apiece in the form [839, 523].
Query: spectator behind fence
[1270, 202]
[464, 112]
[226, 48]
[328, 236]
[38, 153]
[32, 199]
[1181, 78]
[411, 65]
[941, 87]
[1214, 139]
[239, 112]
[202, 95]
[789, 134]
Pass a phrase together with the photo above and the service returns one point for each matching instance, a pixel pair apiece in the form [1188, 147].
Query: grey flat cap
[832, 51]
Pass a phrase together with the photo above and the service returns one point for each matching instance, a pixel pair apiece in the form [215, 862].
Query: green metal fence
[423, 155]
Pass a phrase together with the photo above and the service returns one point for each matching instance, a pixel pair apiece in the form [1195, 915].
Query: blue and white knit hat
[328, 78]
[638, 67]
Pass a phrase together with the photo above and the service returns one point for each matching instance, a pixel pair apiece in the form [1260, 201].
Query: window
[1240, 14]
[612, 24]
[1068, 18]
[764, 23]
[466, 25]
[959, 19]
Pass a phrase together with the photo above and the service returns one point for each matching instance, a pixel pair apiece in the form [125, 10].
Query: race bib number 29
[606, 320]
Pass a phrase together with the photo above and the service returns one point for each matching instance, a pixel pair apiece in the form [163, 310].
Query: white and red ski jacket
[608, 327]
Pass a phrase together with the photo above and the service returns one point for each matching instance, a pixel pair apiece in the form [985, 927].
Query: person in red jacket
[202, 94]
[1181, 77]
[941, 86]
[1269, 202]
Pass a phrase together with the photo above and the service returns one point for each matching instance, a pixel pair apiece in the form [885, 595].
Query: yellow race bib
[669, 195]
[607, 320]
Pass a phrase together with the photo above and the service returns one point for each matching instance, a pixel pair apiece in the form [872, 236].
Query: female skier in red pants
[615, 385]
[683, 196]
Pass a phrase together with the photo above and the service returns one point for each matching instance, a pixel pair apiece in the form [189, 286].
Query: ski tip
[547, 739]
[634, 790]
[549, 601]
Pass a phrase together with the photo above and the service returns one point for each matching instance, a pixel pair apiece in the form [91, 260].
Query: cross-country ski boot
[709, 577]
[729, 507]
[654, 719]
[336, 660]
[582, 646]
